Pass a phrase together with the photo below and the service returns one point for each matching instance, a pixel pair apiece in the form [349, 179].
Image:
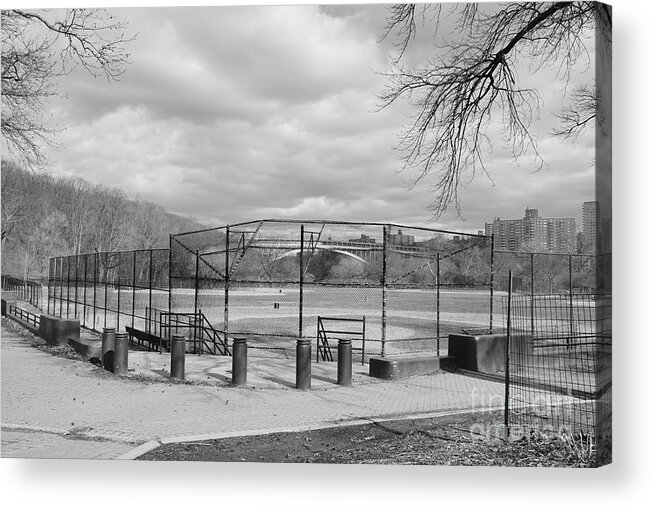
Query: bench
[142, 337]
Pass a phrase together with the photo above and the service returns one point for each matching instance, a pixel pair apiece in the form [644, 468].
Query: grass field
[270, 316]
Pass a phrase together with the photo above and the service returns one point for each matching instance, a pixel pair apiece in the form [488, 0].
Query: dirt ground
[468, 439]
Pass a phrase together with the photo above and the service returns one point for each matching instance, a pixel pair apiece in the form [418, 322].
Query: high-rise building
[561, 235]
[590, 223]
[533, 232]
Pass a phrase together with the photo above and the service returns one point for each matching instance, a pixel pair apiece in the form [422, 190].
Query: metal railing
[24, 315]
[323, 347]
[25, 290]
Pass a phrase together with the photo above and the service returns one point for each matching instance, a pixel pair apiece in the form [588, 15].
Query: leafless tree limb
[37, 48]
[458, 95]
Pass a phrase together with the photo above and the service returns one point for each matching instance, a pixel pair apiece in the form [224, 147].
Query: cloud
[240, 113]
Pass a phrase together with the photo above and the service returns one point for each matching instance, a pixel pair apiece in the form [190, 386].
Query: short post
[303, 363]
[345, 362]
[121, 364]
[177, 368]
[108, 348]
[239, 361]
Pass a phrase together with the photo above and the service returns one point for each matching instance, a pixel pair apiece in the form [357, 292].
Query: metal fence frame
[80, 287]
[236, 239]
[95, 287]
[558, 378]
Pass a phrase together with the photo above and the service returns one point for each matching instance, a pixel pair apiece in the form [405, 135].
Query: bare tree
[458, 94]
[76, 205]
[17, 192]
[110, 218]
[150, 225]
[37, 48]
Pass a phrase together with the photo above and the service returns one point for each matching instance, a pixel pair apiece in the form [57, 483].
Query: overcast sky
[231, 114]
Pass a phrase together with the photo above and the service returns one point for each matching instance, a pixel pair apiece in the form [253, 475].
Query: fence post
[571, 337]
[196, 302]
[76, 282]
[492, 282]
[227, 278]
[384, 291]
[363, 337]
[95, 291]
[169, 278]
[151, 279]
[61, 288]
[68, 289]
[532, 298]
[105, 289]
[119, 285]
[49, 285]
[318, 337]
[507, 347]
[85, 283]
[438, 302]
[133, 291]
[300, 286]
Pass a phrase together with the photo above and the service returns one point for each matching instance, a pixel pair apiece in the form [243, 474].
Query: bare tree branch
[37, 48]
[458, 94]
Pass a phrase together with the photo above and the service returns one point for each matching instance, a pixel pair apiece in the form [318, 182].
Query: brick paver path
[57, 407]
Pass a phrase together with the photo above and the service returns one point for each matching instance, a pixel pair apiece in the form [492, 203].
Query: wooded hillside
[45, 216]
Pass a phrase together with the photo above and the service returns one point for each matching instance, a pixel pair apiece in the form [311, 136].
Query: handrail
[25, 316]
[225, 351]
[323, 347]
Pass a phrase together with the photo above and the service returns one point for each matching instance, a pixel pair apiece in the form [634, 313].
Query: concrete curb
[68, 433]
[153, 444]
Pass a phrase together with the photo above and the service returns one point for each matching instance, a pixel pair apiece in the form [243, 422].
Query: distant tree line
[45, 216]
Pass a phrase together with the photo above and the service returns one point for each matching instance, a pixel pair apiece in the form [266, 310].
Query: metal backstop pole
[49, 285]
[492, 282]
[76, 282]
[133, 291]
[95, 292]
[105, 269]
[227, 278]
[532, 298]
[169, 298]
[196, 302]
[68, 289]
[384, 290]
[438, 302]
[300, 286]
[117, 326]
[85, 284]
[571, 295]
[507, 346]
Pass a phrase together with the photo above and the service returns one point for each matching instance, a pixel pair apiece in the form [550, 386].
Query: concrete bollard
[303, 363]
[108, 348]
[177, 368]
[345, 362]
[239, 361]
[121, 354]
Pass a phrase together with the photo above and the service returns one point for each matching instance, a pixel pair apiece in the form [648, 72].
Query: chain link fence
[31, 291]
[109, 289]
[559, 330]
[393, 289]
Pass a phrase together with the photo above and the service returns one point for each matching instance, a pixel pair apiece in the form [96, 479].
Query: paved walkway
[57, 407]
